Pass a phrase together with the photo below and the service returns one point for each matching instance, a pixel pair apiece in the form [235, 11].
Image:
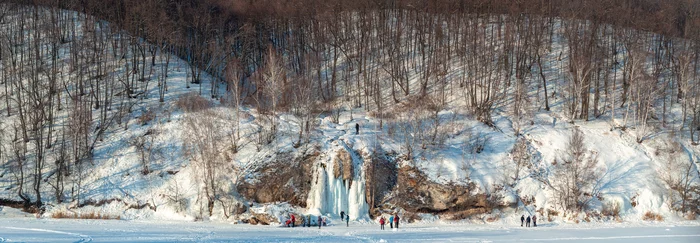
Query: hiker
[293, 220]
[347, 220]
[534, 221]
[522, 220]
[303, 221]
[342, 215]
[527, 221]
[324, 222]
[357, 128]
[381, 222]
[391, 221]
[396, 221]
[319, 221]
[308, 224]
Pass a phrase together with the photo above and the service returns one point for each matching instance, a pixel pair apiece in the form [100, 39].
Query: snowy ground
[57, 230]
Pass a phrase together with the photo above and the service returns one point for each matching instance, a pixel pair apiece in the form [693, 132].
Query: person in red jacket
[381, 222]
[293, 220]
[396, 220]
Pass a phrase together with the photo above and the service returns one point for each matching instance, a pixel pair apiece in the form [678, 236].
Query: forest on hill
[77, 75]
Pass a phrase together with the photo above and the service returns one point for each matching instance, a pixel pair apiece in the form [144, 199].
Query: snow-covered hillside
[150, 165]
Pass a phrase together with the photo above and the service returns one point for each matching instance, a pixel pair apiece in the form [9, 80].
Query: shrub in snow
[652, 216]
[192, 102]
[681, 176]
[611, 209]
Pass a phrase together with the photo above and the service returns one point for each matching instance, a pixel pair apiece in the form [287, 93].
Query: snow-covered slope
[469, 151]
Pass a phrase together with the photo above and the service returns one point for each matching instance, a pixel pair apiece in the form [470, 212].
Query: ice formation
[329, 195]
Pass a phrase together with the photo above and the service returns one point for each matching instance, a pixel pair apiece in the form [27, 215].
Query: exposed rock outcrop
[343, 166]
[286, 179]
[416, 193]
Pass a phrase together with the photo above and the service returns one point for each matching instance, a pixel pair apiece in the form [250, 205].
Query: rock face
[381, 176]
[286, 179]
[343, 166]
[262, 219]
[418, 194]
[354, 182]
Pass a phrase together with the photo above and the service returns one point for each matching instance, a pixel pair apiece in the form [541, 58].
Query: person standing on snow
[391, 221]
[342, 215]
[319, 221]
[522, 220]
[527, 221]
[381, 222]
[308, 223]
[357, 128]
[347, 220]
[534, 221]
[293, 220]
[396, 221]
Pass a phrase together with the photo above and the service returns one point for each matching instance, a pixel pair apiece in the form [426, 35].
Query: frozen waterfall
[339, 189]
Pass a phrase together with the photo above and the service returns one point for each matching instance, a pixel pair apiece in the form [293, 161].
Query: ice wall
[330, 195]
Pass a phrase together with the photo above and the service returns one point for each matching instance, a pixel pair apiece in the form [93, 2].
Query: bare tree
[574, 175]
[202, 139]
[520, 158]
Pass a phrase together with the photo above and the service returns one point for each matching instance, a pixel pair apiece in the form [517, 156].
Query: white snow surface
[19, 227]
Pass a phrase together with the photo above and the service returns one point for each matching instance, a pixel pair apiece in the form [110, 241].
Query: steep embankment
[199, 155]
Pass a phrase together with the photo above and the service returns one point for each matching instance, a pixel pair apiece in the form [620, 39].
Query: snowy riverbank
[18, 227]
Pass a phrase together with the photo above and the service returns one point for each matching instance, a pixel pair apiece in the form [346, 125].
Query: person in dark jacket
[347, 220]
[534, 221]
[527, 221]
[357, 128]
[342, 215]
[308, 221]
[522, 220]
[396, 221]
[319, 221]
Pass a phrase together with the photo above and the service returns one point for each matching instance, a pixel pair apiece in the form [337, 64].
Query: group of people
[527, 221]
[305, 221]
[393, 221]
